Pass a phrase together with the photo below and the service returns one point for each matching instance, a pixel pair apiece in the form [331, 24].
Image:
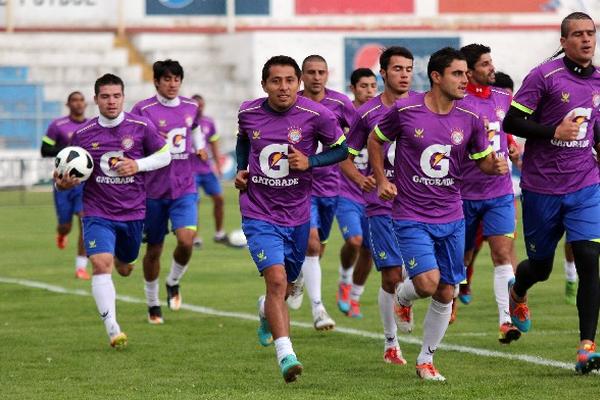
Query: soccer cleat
[354, 311]
[587, 359]
[519, 312]
[571, 293]
[464, 294]
[265, 338]
[61, 241]
[173, 297]
[198, 243]
[290, 368]
[155, 315]
[294, 300]
[323, 322]
[508, 333]
[393, 355]
[343, 297]
[81, 273]
[119, 341]
[453, 311]
[225, 241]
[428, 372]
[404, 317]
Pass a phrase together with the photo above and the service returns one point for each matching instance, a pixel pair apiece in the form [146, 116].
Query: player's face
[453, 82]
[168, 85]
[398, 76]
[580, 43]
[365, 89]
[77, 105]
[314, 76]
[483, 72]
[110, 100]
[281, 86]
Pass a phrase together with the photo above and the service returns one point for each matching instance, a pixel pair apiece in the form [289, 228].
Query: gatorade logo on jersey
[435, 164]
[273, 160]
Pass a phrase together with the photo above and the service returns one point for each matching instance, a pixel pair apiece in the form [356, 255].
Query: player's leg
[155, 228]
[472, 213]
[198, 242]
[570, 276]
[64, 215]
[76, 198]
[364, 264]
[212, 188]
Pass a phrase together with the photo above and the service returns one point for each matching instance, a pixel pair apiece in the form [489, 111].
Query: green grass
[54, 345]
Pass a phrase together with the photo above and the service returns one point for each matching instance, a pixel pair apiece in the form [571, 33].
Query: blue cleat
[343, 297]
[464, 294]
[519, 312]
[265, 338]
[587, 359]
[290, 368]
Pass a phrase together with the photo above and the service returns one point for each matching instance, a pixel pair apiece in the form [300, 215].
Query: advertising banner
[205, 7]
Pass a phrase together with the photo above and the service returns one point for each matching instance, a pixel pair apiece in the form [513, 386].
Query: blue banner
[205, 7]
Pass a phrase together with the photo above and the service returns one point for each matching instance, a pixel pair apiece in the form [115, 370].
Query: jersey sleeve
[153, 140]
[479, 145]
[51, 134]
[532, 90]
[357, 136]
[137, 110]
[329, 131]
[389, 126]
[212, 135]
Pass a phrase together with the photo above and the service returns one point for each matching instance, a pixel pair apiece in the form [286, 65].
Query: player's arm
[49, 147]
[385, 189]
[518, 121]
[491, 164]
[214, 148]
[242, 155]
[154, 161]
[199, 143]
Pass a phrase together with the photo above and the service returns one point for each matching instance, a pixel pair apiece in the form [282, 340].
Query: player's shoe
[290, 368]
[342, 297]
[404, 317]
[587, 359]
[155, 315]
[119, 341]
[225, 241]
[393, 355]
[508, 333]
[198, 242]
[61, 241]
[464, 294]
[294, 300]
[519, 312]
[81, 273]
[265, 338]
[354, 311]
[428, 372]
[453, 311]
[323, 322]
[571, 293]
[173, 297]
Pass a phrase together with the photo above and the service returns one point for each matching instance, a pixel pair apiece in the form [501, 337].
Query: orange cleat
[61, 241]
[428, 372]
[393, 355]
[81, 273]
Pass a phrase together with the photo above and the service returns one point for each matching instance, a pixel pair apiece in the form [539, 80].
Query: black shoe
[155, 315]
[173, 297]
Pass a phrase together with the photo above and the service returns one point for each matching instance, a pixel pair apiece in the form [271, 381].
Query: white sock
[105, 295]
[311, 269]
[406, 293]
[283, 348]
[434, 329]
[570, 271]
[177, 271]
[220, 234]
[151, 290]
[81, 262]
[502, 274]
[356, 291]
[386, 311]
[261, 307]
[346, 275]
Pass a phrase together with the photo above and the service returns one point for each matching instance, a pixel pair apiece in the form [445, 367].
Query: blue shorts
[183, 212]
[352, 219]
[430, 246]
[382, 241]
[497, 214]
[322, 211]
[67, 203]
[209, 183]
[546, 217]
[271, 244]
[122, 239]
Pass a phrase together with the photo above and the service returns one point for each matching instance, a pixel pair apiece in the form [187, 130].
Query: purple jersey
[175, 122]
[430, 153]
[478, 185]
[209, 134]
[326, 180]
[106, 194]
[549, 93]
[60, 131]
[275, 193]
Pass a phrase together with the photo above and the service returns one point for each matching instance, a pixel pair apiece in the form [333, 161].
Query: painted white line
[349, 331]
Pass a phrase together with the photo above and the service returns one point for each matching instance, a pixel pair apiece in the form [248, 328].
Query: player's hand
[368, 183]
[387, 191]
[513, 154]
[241, 180]
[65, 182]
[202, 154]
[568, 129]
[126, 167]
[500, 165]
[296, 159]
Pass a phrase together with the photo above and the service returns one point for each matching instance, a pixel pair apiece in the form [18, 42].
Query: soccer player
[489, 199]
[363, 84]
[68, 202]
[396, 70]
[205, 177]
[171, 192]
[556, 109]
[433, 133]
[275, 150]
[123, 146]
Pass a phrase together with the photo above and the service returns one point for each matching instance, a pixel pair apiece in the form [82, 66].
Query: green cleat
[265, 338]
[119, 341]
[290, 368]
[571, 293]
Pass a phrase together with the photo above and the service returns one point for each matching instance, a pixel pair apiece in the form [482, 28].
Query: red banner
[312, 7]
[503, 6]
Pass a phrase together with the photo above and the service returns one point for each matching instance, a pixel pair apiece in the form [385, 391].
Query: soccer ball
[237, 238]
[75, 161]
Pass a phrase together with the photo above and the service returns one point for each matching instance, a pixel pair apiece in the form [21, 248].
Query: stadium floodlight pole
[10, 21]
[230, 8]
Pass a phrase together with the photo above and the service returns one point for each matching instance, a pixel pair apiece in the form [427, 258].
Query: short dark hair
[388, 53]
[108, 79]
[280, 60]
[313, 57]
[361, 73]
[75, 93]
[441, 59]
[564, 25]
[197, 97]
[504, 81]
[473, 52]
[161, 68]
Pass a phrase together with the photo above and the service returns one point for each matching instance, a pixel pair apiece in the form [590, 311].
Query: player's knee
[218, 200]
[389, 279]
[444, 293]
[153, 252]
[64, 229]
[355, 242]
[542, 268]
[314, 247]
[277, 285]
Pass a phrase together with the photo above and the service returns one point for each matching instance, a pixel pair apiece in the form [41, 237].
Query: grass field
[53, 345]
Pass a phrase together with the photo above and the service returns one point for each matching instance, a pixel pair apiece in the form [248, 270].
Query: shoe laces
[403, 313]
[521, 311]
[429, 368]
[392, 352]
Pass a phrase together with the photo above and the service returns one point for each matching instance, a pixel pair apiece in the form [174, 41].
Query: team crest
[95, 145]
[127, 143]
[294, 135]
[162, 123]
[256, 134]
[564, 97]
[419, 132]
[457, 136]
[70, 134]
[500, 114]
[189, 120]
[596, 100]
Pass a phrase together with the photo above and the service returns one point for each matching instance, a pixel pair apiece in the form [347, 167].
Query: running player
[68, 202]
[276, 147]
[363, 85]
[396, 70]
[171, 192]
[556, 109]
[433, 132]
[114, 197]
